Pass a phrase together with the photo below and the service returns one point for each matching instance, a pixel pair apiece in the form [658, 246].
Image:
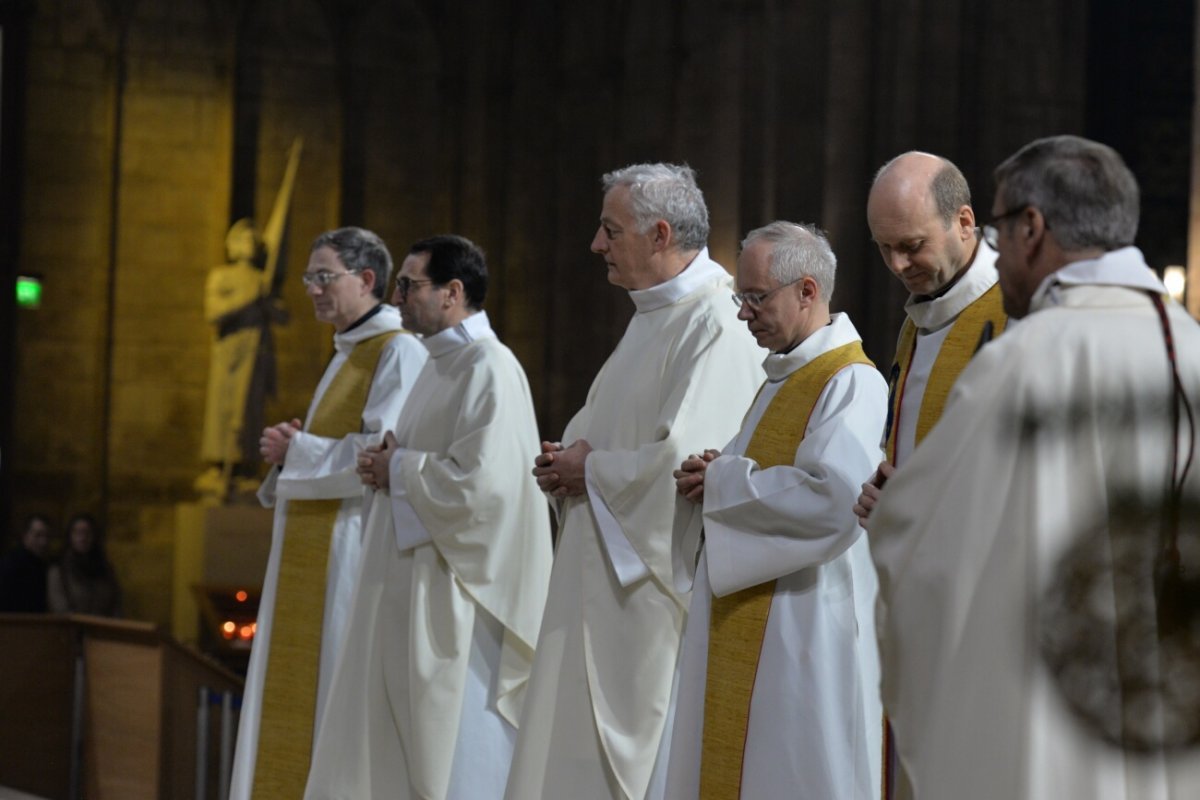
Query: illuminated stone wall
[112, 366]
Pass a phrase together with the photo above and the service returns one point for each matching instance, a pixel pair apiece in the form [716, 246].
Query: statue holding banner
[241, 302]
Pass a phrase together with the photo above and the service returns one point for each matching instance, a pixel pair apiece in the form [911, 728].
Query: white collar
[1124, 267]
[838, 332]
[384, 320]
[477, 326]
[700, 270]
[930, 315]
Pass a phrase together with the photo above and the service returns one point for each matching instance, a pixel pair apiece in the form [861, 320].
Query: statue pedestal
[216, 546]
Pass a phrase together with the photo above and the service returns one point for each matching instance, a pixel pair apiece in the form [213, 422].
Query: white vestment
[1045, 429]
[456, 564]
[597, 714]
[320, 468]
[814, 724]
[933, 320]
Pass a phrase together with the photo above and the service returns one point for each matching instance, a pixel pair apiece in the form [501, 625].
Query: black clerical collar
[364, 318]
[784, 352]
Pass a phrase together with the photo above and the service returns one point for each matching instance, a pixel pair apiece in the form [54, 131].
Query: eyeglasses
[756, 299]
[404, 284]
[324, 278]
[991, 234]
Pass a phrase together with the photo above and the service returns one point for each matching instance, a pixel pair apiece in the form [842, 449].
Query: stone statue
[241, 302]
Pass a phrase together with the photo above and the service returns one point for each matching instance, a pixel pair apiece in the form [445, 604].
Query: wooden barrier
[100, 708]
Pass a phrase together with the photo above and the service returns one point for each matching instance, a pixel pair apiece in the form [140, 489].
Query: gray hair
[799, 251]
[948, 188]
[668, 192]
[1083, 188]
[359, 250]
[950, 191]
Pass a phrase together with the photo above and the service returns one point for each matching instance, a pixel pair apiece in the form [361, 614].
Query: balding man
[920, 215]
[779, 682]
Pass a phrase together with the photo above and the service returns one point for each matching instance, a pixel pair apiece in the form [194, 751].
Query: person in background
[83, 581]
[23, 570]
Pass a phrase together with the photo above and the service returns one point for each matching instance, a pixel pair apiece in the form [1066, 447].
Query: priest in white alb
[318, 502]
[779, 682]
[597, 718]
[1006, 656]
[921, 219]
[428, 691]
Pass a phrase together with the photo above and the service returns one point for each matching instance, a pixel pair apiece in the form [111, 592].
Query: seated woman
[83, 582]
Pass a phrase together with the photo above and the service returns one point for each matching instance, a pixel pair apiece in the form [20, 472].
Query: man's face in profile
[625, 249]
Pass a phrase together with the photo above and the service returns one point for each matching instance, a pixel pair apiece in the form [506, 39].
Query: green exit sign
[29, 291]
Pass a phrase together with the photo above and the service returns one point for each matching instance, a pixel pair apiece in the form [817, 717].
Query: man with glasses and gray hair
[318, 500]
[598, 712]
[1014, 641]
[779, 680]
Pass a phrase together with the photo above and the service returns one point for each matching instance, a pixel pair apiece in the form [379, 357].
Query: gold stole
[739, 620]
[962, 340]
[960, 344]
[289, 694]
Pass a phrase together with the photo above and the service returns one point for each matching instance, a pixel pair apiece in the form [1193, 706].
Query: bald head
[920, 216]
[924, 177]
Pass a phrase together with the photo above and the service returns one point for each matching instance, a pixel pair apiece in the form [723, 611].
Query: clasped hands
[273, 444]
[689, 478]
[560, 470]
[375, 463]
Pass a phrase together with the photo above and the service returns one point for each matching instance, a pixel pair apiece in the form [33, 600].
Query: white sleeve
[626, 562]
[410, 531]
[266, 492]
[761, 524]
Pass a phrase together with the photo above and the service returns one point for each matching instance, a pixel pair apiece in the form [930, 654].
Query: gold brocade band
[962, 340]
[290, 684]
[739, 620]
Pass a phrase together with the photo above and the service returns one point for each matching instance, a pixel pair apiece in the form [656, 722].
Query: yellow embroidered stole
[739, 620]
[289, 694]
[962, 340]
